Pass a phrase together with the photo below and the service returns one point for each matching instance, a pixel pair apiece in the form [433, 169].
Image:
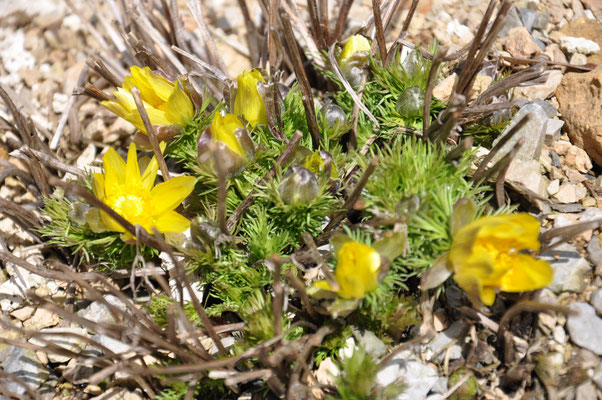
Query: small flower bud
[333, 114]
[410, 102]
[408, 205]
[249, 99]
[204, 233]
[353, 58]
[413, 64]
[318, 161]
[232, 142]
[298, 186]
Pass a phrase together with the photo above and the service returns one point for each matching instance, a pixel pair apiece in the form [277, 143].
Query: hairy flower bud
[413, 64]
[228, 137]
[353, 58]
[204, 233]
[408, 205]
[410, 102]
[317, 163]
[249, 101]
[298, 186]
[333, 114]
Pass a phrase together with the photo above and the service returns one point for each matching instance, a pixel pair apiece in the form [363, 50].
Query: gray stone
[586, 391]
[596, 300]
[436, 349]
[513, 20]
[542, 21]
[548, 107]
[585, 327]
[99, 312]
[533, 132]
[371, 343]
[116, 346]
[528, 17]
[62, 338]
[419, 378]
[570, 269]
[578, 45]
[25, 365]
[594, 250]
[553, 129]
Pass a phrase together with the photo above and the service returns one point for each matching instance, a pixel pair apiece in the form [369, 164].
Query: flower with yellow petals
[353, 58]
[132, 195]
[165, 102]
[485, 257]
[356, 271]
[248, 101]
[230, 139]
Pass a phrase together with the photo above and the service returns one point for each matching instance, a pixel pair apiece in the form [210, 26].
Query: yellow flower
[356, 271]
[133, 196]
[484, 257]
[353, 45]
[231, 140]
[248, 101]
[165, 102]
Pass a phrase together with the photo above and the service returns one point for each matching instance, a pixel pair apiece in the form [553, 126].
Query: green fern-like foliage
[67, 228]
[412, 167]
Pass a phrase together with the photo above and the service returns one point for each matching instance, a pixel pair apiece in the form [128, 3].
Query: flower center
[130, 207]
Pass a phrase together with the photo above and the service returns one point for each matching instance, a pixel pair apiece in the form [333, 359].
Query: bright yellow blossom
[485, 257]
[248, 101]
[230, 139]
[353, 45]
[165, 102]
[133, 196]
[356, 272]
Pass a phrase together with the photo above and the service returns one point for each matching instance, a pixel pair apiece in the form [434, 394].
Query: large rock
[24, 364]
[588, 29]
[585, 327]
[570, 269]
[520, 44]
[580, 99]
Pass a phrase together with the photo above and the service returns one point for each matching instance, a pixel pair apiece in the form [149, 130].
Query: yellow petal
[171, 221]
[473, 288]
[115, 107]
[354, 44]
[114, 169]
[98, 186]
[179, 107]
[95, 222]
[150, 174]
[509, 231]
[156, 117]
[110, 223]
[248, 101]
[168, 195]
[140, 78]
[222, 129]
[125, 99]
[132, 171]
[161, 86]
[357, 269]
[527, 273]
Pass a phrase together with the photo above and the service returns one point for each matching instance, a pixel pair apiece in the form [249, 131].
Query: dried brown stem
[380, 32]
[501, 178]
[342, 19]
[428, 95]
[150, 132]
[308, 102]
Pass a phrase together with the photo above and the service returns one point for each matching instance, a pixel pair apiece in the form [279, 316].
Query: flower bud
[413, 64]
[317, 162]
[298, 186]
[353, 58]
[249, 101]
[408, 205]
[333, 114]
[230, 139]
[204, 233]
[410, 102]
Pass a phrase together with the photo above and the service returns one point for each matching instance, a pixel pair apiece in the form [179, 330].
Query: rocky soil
[44, 46]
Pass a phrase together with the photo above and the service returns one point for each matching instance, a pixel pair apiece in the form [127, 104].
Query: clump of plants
[302, 211]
